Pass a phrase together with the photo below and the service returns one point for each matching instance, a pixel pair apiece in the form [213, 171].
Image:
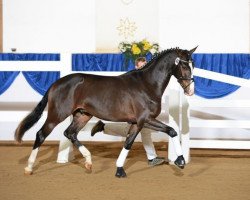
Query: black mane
[154, 57]
[160, 54]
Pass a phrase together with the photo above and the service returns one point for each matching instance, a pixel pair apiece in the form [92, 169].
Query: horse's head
[184, 71]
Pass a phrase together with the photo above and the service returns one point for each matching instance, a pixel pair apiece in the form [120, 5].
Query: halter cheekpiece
[181, 78]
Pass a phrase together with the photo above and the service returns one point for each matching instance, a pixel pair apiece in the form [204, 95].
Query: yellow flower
[146, 45]
[135, 49]
[144, 41]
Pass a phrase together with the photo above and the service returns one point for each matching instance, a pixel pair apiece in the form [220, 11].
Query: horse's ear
[192, 50]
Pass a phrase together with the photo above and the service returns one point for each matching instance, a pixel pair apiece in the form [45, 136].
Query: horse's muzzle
[189, 91]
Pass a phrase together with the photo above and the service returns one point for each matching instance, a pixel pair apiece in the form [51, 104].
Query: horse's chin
[189, 92]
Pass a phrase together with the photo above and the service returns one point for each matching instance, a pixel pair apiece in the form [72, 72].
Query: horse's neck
[157, 77]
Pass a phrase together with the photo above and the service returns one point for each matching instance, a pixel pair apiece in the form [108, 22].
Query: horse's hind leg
[80, 119]
[41, 135]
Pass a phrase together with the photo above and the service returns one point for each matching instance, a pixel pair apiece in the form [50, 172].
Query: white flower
[153, 51]
[122, 47]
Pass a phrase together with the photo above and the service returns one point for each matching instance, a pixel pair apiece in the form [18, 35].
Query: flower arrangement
[138, 49]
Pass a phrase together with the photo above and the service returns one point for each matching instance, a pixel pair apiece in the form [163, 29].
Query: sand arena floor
[211, 175]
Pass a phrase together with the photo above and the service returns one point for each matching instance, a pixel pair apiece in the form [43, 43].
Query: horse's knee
[67, 134]
[172, 133]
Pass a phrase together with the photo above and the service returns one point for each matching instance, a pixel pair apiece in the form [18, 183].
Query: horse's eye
[184, 67]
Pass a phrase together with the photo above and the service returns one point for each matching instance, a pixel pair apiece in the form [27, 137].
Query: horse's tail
[31, 119]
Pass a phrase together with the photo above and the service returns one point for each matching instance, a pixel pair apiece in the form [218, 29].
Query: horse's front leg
[133, 132]
[154, 124]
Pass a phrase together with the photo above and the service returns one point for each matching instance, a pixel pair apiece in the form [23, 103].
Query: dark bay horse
[133, 97]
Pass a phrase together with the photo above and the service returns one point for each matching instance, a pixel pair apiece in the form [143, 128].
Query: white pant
[122, 130]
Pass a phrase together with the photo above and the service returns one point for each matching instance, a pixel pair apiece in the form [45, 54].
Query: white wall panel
[217, 26]
[49, 25]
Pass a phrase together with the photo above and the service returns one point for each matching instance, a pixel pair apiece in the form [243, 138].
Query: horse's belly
[116, 117]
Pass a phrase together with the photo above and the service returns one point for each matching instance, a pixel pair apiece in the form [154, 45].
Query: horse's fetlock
[172, 133]
[40, 136]
[128, 144]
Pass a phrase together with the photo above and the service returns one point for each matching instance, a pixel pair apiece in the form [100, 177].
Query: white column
[184, 134]
[65, 152]
[173, 119]
[66, 63]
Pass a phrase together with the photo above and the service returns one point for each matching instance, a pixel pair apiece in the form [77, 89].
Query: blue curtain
[231, 64]
[29, 56]
[6, 79]
[102, 62]
[40, 81]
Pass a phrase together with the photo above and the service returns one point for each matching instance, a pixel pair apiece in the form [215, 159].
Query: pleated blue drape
[39, 81]
[6, 79]
[231, 64]
[29, 56]
[102, 62]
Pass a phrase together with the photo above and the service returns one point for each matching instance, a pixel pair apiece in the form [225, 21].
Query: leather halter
[181, 78]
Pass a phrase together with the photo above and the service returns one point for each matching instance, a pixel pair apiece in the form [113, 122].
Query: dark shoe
[180, 162]
[98, 127]
[156, 161]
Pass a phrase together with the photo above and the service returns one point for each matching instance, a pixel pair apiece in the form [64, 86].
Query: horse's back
[106, 97]
[112, 98]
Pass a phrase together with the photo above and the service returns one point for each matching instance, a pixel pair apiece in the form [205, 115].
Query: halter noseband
[181, 78]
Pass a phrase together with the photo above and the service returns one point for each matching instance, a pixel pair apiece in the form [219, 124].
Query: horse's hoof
[27, 171]
[180, 162]
[88, 166]
[120, 173]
